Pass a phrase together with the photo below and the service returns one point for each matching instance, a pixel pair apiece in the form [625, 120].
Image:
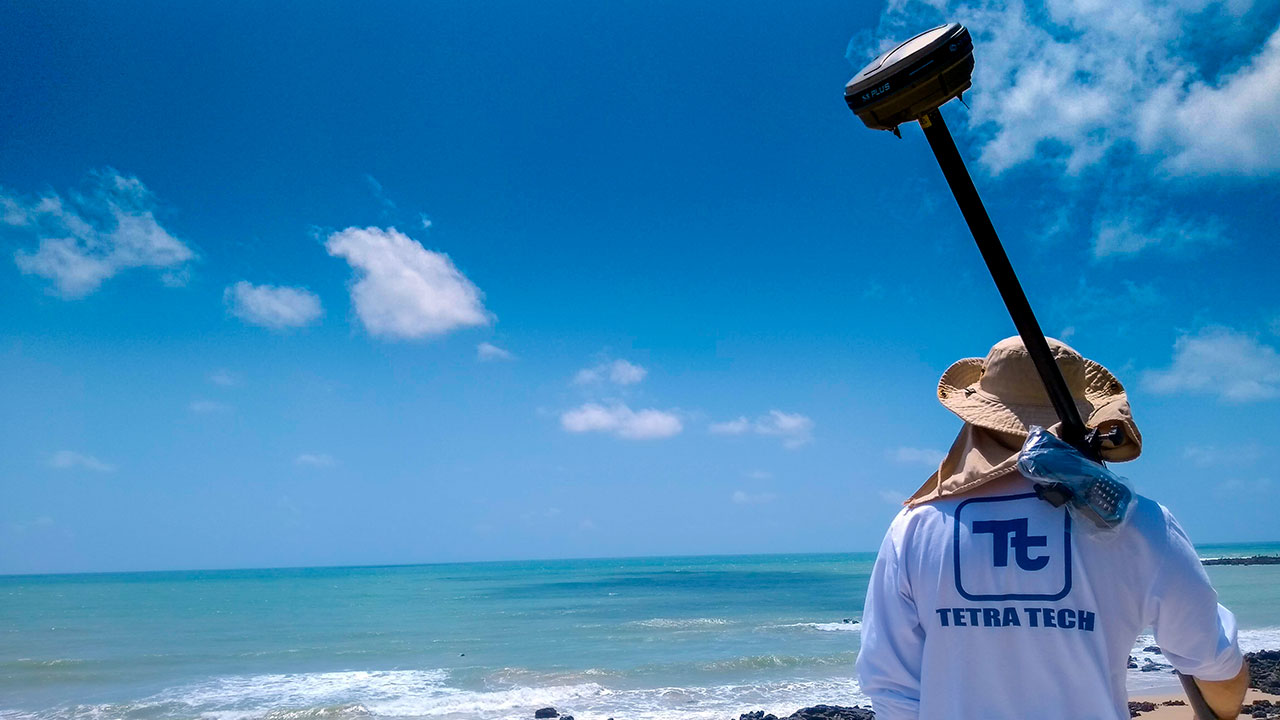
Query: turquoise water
[636, 638]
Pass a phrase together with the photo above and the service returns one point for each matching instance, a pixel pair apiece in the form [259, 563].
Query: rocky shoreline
[1264, 675]
[1251, 560]
[1264, 671]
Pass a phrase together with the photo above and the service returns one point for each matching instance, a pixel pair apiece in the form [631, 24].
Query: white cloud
[1076, 79]
[225, 378]
[622, 421]
[71, 460]
[1235, 488]
[1126, 233]
[315, 460]
[1219, 361]
[618, 372]
[917, 456]
[793, 429]
[488, 351]
[208, 406]
[404, 290]
[745, 498]
[272, 306]
[737, 426]
[760, 475]
[94, 235]
[1222, 456]
[1226, 126]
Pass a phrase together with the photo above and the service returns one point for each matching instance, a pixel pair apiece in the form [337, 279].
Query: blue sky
[409, 282]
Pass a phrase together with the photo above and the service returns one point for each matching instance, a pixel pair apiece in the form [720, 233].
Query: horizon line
[374, 566]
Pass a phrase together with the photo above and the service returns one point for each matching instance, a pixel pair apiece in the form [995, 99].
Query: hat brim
[1104, 402]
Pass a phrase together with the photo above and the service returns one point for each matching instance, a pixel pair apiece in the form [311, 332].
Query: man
[987, 602]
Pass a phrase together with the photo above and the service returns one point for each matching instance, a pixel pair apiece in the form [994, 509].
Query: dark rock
[817, 712]
[1251, 560]
[1152, 666]
[1170, 703]
[1264, 671]
[548, 712]
[566, 717]
[1133, 663]
[1140, 707]
[1153, 649]
[832, 712]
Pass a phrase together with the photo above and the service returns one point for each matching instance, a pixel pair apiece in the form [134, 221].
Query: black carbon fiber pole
[975, 214]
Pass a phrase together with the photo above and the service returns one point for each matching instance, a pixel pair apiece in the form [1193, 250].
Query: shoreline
[1172, 705]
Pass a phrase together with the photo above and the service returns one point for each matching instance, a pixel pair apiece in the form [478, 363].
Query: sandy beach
[1183, 712]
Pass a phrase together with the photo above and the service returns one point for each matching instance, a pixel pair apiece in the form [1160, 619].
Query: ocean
[685, 637]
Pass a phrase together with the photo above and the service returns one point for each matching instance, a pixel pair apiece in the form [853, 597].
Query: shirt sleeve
[1195, 633]
[892, 649]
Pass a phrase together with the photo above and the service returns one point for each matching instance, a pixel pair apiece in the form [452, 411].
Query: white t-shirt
[995, 604]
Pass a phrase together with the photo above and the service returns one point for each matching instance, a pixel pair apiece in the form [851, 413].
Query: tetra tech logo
[1009, 548]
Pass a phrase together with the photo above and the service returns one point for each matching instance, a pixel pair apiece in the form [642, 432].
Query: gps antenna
[909, 84]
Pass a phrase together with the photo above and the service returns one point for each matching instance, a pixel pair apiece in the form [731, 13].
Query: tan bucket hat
[1003, 392]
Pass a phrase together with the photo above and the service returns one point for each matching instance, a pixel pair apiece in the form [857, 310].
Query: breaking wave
[679, 623]
[824, 627]
[360, 695]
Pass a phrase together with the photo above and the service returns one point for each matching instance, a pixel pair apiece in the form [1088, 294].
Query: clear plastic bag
[1089, 489]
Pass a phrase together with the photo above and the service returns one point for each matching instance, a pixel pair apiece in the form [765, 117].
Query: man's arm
[1196, 634]
[1226, 696]
[892, 648]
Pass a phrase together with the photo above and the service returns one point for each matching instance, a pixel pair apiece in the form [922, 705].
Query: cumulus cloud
[403, 290]
[793, 429]
[94, 235]
[486, 352]
[917, 456]
[618, 372]
[1219, 361]
[71, 460]
[1228, 125]
[315, 460]
[272, 306]
[1076, 79]
[620, 420]
[742, 497]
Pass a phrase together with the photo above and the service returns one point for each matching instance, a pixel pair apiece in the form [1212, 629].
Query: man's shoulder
[1156, 524]
[1149, 522]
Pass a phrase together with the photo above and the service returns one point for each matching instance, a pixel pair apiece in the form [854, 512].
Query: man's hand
[1226, 696]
